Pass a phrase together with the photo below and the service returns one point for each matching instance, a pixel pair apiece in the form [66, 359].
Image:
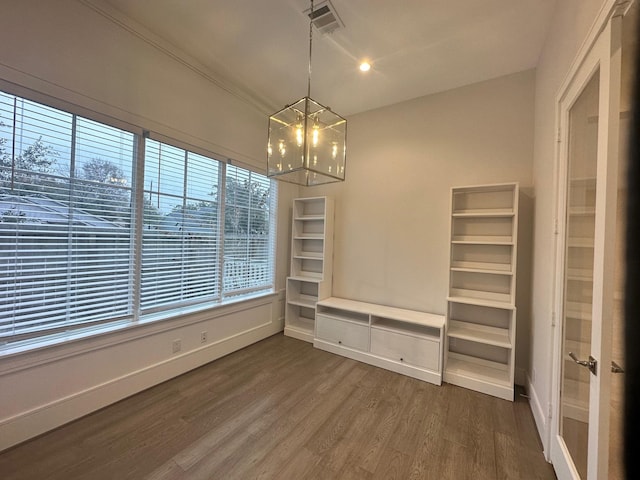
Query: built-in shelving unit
[311, 264]
[404, 341]
[481, 311]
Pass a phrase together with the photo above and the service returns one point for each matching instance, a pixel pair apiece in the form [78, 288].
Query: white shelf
[582, 274]
[301, 278]
[300, 328]
[311, 267]
[580, 242]
[580, 311]
[492, 297]
[309, 236]
[482, 239]
[484, 212]
[487, 377]
[381, 311]
[582, 211]
[485, 371]
[309, 255]
[498, 337]
[482, 280]
[489, 267]
[482, 302]
[489, 271]
[308, 301]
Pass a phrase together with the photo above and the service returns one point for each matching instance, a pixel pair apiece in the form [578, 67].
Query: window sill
[20, 357]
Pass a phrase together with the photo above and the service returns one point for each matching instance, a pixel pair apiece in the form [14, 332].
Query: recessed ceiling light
[365, 66]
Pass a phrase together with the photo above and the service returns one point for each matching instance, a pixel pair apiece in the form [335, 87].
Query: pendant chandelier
[307, 141]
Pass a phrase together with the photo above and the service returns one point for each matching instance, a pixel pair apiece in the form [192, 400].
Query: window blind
[70, 247]
[65, 220]
[180, 244]
[249, 223]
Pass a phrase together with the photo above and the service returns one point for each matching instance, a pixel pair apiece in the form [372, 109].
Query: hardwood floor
[281, 409]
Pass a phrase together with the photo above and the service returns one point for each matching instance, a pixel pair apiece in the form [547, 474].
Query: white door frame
[600, 50]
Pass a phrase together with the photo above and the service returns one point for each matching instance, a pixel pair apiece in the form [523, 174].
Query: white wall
[392, 212]
[570, 26]
[68, 50]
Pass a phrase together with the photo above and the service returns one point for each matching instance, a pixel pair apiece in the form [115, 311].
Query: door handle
[615, 368]
[591, 364]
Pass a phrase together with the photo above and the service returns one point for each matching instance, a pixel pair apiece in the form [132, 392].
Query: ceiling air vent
[324, 17]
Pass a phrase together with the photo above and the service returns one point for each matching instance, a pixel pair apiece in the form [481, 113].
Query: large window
[73, 252]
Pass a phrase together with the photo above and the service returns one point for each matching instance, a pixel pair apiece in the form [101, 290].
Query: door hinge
[559, 135]
[553, 319]
[555, 226]
[549, 410]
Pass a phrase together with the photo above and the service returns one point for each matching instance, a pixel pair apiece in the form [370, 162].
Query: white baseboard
[539, 415]
[26, 425]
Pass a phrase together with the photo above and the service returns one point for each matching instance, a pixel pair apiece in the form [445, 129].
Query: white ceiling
[259, 48]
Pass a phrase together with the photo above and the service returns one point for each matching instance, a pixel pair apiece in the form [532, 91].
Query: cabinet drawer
[348, 334]
[420, 352]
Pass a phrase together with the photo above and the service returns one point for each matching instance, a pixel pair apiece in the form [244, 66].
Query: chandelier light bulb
[315, 133]
[299, 131]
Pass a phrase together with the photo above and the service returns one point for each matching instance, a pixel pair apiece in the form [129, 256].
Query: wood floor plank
[426, 461]
[393, 465]
[457, 415]
[281, 409]
[481, 429]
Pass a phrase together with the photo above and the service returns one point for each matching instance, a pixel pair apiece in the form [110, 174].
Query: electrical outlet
[203, 337]
[177, 345]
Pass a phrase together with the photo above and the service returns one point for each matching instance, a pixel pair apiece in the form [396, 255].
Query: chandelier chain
[310, 43]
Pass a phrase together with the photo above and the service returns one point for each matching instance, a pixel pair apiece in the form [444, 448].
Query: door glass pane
[578, 274]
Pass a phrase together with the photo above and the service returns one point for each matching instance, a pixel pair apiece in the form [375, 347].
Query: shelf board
[307, 274]
[483, 239]
[504, 298]
[302, 324]
[481, 266]
[490, 271]
[492, 373]
[581, 242]
[579, 311]
[381, 311]
[309, 236]
[302, 278]
[486, 188]
[482, 302]
[498, 337]
[308, 301]
[484, 212]
[575, 393]
[309, 217]
[309, 255]
[405, 328]
[584, 274]
[582, 211]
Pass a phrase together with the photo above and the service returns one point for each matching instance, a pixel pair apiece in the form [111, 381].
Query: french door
[588, 261]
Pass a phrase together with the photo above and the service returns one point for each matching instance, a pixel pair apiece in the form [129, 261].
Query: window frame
[140, 318]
